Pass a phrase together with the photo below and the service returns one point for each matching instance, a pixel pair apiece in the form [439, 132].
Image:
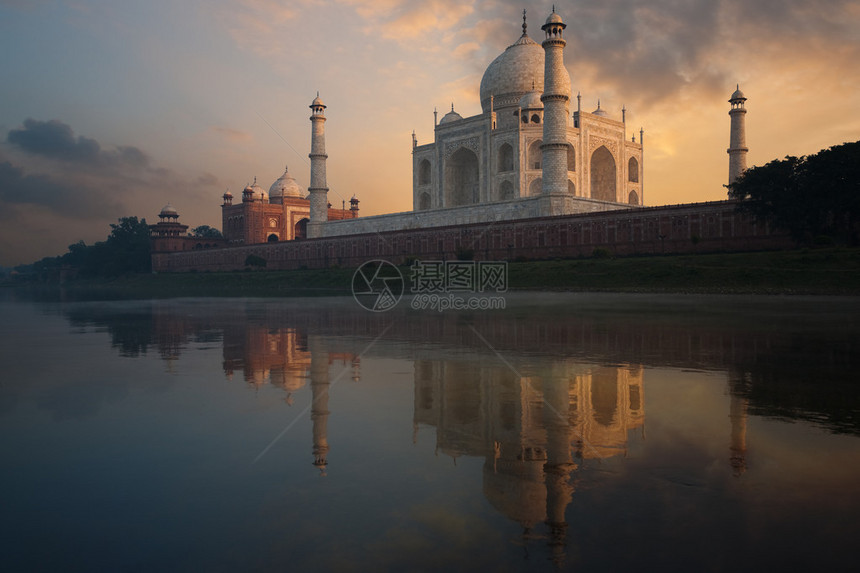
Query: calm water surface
[567, 432]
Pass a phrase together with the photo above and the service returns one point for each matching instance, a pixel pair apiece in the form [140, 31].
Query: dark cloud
[205, 180]
[64, 197]
[54, 139]
[652, 50]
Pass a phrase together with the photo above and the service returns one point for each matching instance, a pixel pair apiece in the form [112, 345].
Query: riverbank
[833, 271]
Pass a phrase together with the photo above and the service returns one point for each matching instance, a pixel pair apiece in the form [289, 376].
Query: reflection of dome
[450, 116]
[516, 489]
[531, 101]
[285, 186]
[168, 211]
[515, 72]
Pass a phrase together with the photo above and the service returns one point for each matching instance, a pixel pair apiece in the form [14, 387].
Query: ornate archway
[603, 175]
[461, 178]
[301, 229]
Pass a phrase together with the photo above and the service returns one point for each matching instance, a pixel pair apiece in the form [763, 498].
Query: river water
[590, 432]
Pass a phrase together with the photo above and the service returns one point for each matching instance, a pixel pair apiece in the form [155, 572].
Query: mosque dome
[531, 101]
[450, 116]
[515, 72]
[286, 186]
[598, 111]
[168, 211]
[317, 101]
[254, 192]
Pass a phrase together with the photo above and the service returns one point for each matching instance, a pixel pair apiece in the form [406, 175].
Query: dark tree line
[206, 232]
[126, 250]
[814, 198]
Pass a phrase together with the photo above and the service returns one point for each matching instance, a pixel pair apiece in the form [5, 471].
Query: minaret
[318, 188]
[555, 104]
[642, 166]
[738, 140]
[319, 403]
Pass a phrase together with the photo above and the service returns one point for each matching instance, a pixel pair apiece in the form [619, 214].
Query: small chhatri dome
[738, 95]
[598, 111]
[286, 186]
[168, 211]
[227, 194]
[317, 101]
[450, 116]
[554, 18]
[531, 100]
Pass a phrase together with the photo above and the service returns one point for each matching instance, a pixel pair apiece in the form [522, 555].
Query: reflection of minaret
[559, 464]
[319, 404]
[738, 416]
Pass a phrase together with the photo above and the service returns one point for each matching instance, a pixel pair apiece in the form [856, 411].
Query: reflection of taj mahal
[529, 430]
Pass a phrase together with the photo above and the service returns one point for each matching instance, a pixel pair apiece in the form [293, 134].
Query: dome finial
[524, 22]
[452, 106]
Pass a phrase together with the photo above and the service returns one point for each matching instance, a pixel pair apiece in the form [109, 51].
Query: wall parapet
[686, 228]
[511, 210]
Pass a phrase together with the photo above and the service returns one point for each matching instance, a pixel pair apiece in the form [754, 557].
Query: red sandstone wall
[690, 228]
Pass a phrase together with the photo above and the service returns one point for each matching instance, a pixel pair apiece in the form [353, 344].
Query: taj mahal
[526, 155]
[530, 176]
[526, 144]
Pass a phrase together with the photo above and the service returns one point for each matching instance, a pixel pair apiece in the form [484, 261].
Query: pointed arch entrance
[461, 178]
[603, 175]
[301, 229]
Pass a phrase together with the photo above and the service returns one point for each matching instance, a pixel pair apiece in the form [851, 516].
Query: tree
[206, 232]
[128, 248]
[809, 197]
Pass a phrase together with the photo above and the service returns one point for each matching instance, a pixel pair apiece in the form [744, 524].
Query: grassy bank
[825, 271]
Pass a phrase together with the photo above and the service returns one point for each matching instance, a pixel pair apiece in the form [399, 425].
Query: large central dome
[517, 71]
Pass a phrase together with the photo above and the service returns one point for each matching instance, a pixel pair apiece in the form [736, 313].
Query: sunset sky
[112, 108]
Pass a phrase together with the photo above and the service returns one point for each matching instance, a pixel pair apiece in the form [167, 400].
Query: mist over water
[568, 431]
